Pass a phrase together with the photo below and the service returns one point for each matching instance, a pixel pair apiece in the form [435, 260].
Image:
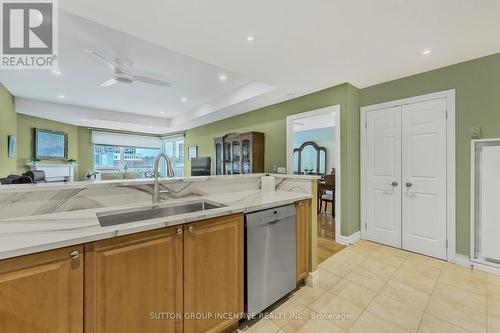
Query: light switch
[475, 132]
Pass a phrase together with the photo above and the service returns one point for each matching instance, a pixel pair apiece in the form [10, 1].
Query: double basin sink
[122, 216]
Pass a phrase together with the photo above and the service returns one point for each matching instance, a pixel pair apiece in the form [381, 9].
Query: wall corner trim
[313, 278]
[349, 240]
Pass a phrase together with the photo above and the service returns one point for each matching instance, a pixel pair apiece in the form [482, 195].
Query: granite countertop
[37, 233]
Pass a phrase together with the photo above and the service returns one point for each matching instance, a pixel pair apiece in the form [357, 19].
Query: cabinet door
[219, 156]
[303, 216]
[236, 153]
[134, 283]
[42, 292]
[213, 273]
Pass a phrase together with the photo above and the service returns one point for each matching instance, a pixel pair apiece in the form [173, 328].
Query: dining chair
[325, 196]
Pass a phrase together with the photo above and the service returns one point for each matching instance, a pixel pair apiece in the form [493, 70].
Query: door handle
[408, 184]
[394, 184]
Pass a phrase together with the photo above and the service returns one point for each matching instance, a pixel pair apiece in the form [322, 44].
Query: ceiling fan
[123, 74]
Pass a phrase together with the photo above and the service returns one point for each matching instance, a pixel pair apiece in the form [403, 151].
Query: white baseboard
[465, 261]
[348, 240]
[313, 278]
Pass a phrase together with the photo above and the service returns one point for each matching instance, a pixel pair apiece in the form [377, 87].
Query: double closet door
[405, 177]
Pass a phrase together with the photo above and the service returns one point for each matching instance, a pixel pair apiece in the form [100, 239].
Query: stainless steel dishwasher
[270, 257]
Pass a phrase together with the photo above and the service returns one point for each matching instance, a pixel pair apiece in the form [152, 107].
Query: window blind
[125, 140]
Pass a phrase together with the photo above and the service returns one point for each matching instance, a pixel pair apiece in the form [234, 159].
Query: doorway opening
[313, 148]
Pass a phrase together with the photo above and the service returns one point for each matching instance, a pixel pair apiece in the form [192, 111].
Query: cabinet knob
[179, 231]
[74, 255]
[190, 228]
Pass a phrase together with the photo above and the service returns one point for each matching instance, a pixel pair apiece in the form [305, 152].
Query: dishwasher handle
[270, 216]
[265, 223]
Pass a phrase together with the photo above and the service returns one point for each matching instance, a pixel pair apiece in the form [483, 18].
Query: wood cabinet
[161, 280]
[134, 283]
[42, 292]
[303, 218]
[154, 281]
[213, 273]
[239, 153]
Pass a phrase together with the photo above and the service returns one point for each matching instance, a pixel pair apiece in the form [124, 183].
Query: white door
[383, 176]
[424, 177]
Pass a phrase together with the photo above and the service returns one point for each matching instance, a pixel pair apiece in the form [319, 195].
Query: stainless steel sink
[152, 212]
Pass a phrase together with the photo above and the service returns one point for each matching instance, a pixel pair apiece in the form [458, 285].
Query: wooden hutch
[237, 153]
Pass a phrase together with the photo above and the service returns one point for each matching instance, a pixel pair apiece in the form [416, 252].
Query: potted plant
[34, 161]
[71, 161]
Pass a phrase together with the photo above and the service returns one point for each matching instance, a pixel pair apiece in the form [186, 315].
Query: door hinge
[446, 243]
[366, 124]
[366, 226]
[446, 114]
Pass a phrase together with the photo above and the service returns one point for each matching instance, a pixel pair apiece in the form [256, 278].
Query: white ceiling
[299, 47]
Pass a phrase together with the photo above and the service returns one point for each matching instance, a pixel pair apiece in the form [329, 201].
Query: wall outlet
[475, 132]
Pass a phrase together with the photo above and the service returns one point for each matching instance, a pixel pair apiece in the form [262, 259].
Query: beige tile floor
[374, 288]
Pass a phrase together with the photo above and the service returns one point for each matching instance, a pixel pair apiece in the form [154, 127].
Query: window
[173, 146]
[136, 162]
[118, 155]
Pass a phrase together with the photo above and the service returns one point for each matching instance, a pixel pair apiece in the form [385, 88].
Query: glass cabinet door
[245, 156]
[228, 161]
[218, 159]
[236, 152]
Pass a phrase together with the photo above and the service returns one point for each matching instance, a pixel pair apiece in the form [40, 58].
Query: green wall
[477, 88]
[8, 126]
[271, 120]
[85, 157]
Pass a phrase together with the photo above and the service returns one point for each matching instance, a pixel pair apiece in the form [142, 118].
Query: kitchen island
[163, 274]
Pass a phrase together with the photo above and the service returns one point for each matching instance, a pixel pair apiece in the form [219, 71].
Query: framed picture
[50, 145]
[11, 141]
[192, 152]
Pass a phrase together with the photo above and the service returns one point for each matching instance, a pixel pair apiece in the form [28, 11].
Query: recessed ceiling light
[426, 52]
[162, 112]
[184, 99]
[250, 38]
[61, 96]
[56, 72]
[222, 77]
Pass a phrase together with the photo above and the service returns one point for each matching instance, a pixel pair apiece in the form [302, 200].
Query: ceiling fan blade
[108, 62]
[149, 80]
[108, 83]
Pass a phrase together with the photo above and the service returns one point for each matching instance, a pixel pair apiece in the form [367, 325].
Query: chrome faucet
[170, 173]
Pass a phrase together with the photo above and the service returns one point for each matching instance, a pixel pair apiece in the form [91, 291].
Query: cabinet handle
[74, 255]
[179, 231]
[190, 228]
